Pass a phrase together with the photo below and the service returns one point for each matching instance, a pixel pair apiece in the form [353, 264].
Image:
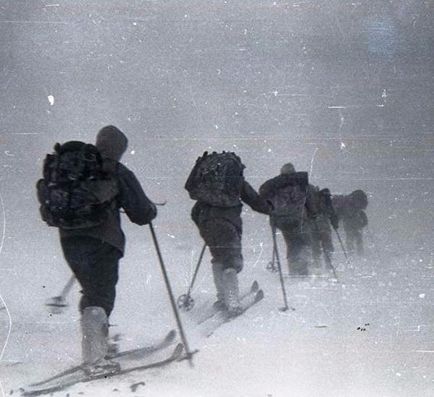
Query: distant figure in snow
[89, 224]
[350, 210]
[217, 184]
[321, 232]
[293, 208]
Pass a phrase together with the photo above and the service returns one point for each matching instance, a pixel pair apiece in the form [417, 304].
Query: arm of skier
[311, 207]
[254, 200]
[363, 219]
[329, 209]
[133, 200]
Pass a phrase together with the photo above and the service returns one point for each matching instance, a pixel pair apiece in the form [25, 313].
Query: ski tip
[170, 336]
[259, 295]
[178, 350]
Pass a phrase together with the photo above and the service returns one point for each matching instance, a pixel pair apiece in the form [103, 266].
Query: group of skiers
[85, 186]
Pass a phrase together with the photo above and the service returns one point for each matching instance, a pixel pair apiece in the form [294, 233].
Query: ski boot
[94, 344]
[231, 292]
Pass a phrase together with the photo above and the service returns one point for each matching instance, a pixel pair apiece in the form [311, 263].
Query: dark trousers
[354, 237]
[298, 250]
[224, 242]
[321, 239]
[95, 265]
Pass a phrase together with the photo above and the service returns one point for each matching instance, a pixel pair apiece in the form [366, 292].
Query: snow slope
[369, 334]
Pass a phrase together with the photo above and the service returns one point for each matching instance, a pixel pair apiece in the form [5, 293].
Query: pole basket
[185, 302]
[56, 304]
[271, 267]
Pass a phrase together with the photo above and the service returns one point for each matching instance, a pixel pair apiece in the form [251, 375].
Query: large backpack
[75, 191]
[289, 204]
[216, 179]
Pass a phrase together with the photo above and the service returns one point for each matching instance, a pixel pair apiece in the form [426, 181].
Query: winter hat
[111, 142]
[288, 168]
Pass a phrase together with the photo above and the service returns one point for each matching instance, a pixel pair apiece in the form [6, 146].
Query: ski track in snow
[1, 298]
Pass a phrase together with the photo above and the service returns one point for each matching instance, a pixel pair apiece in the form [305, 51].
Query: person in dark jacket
[321, 232]
[293, 206]
[350, 210]
[221, 229]
[93, 253]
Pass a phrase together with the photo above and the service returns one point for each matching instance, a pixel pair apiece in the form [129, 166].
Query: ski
[213, 311]
[133, 354]
[142, 352]
[223, 317]
[82, 378]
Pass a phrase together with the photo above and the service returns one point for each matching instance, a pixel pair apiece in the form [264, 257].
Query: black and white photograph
[223, 198]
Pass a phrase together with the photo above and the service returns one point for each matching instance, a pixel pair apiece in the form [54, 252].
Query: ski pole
[279, 267]
[342, 245]
[329, 264]
[185, 301]
[328, 259]
[271, 265]
[189, 354]
[60, 300]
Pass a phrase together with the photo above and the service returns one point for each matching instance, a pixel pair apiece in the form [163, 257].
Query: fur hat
[111, 142]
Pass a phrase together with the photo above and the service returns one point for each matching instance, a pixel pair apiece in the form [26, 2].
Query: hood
[287, 169]
[111, 142]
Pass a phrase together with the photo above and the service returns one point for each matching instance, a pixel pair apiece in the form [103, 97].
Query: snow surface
[341, 89]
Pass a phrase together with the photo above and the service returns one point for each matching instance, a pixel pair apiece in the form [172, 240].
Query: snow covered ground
[369, 334]
[344, 91]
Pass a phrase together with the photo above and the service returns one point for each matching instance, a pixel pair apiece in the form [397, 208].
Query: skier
[93, 246]
[218, 185]
[293, 206]
[350, 210]
[321, 232]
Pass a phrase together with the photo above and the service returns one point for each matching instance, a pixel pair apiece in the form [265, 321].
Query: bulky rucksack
[75, 191]
[216, 179]
[289, 203]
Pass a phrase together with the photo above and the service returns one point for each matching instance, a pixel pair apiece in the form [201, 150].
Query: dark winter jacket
[203, 212]
[350, 212]
[131, 198]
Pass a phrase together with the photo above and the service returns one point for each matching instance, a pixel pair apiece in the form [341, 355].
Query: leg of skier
[359, 242]
[299, 253]
[232, 292]
[217, 271]
[224, 242]
[94, 326]
[95, 264]
[349, 238]
[316, 247]
[327, 246]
